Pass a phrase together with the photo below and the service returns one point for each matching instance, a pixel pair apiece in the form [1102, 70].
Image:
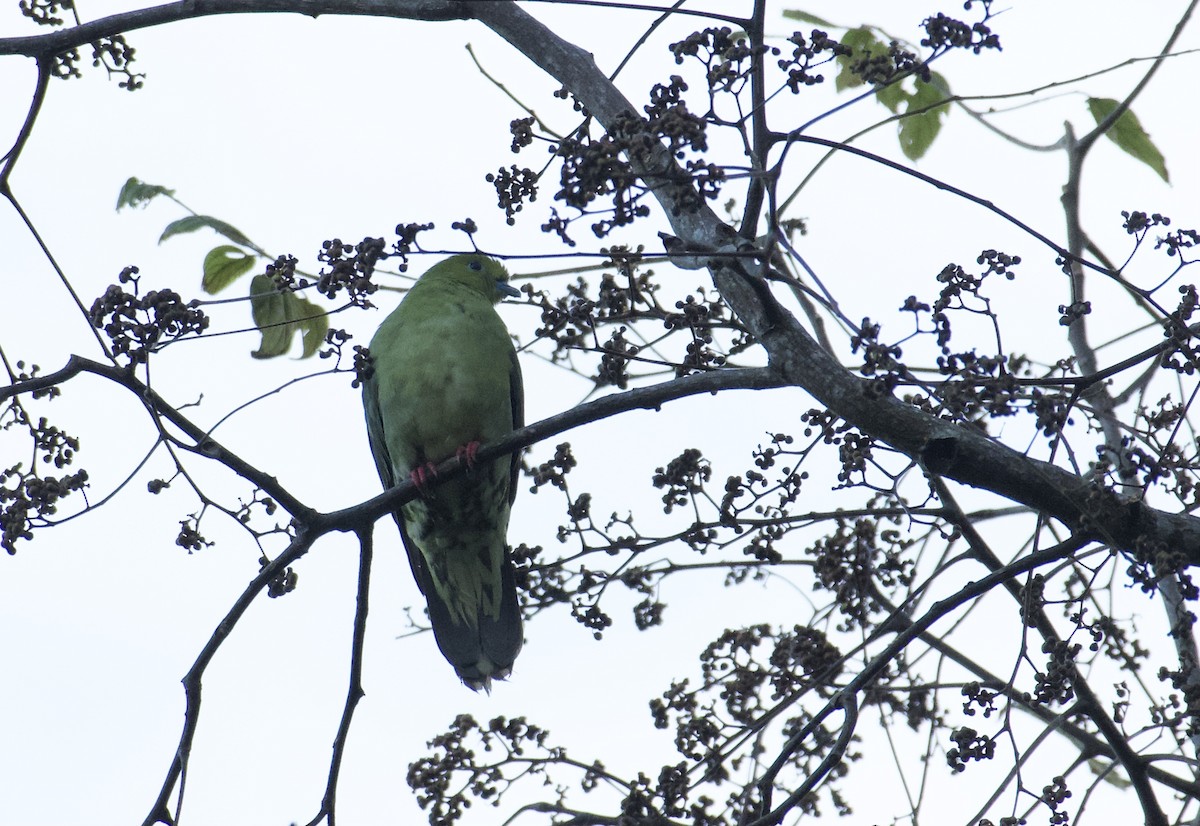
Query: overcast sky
[296, 131]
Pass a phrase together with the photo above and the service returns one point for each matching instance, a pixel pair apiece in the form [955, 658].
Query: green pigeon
[446, 379]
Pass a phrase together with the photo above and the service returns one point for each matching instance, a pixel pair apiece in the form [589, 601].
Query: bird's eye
[476, 265]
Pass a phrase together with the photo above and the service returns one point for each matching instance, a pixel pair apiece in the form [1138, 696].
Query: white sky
[297, 130]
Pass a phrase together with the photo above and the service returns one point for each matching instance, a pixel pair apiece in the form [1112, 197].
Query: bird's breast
[447, 383]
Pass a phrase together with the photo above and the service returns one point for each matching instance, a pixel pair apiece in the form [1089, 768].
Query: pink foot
[467, 452]
[423, 474]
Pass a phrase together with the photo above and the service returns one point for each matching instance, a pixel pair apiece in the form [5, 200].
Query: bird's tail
[485, 649]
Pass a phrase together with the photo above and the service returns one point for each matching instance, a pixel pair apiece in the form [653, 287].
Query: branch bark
[964, 455]
[55, 42]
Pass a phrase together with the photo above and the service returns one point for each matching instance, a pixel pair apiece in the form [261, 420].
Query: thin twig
[160, 811]
[355, 692]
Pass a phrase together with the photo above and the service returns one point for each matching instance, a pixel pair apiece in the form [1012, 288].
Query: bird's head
[477, 272]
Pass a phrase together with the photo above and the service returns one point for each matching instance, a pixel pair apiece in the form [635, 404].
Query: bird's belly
[453, 410]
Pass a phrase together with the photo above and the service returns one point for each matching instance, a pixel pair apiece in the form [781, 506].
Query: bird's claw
[423, 475]
[467, 452]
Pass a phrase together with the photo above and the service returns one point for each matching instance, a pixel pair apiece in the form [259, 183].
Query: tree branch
[863, 679]
[965, 455]
[158, 406]
[1035, 615]
[641, 398]
[160, 812]
[366, 542]
[52, 43]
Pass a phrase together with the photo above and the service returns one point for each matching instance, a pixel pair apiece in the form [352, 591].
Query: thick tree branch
[964, 455]
[743, 274]
[55, 42]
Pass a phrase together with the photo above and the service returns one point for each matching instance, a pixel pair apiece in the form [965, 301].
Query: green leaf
[1128, 134]
[892, 96]
[917, 132]
[137, 193]
[805, 17]
[280, 315]
[939, 82]
[223, 265]
[314, 324]
[194, 222]
[862, 44]
[268, 308]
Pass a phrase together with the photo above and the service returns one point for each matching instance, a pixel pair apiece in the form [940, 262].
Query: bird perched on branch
[445, 380]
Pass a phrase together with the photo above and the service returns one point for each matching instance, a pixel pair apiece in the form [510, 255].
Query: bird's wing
[376, 436]
[516, 394]
[375, 433]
